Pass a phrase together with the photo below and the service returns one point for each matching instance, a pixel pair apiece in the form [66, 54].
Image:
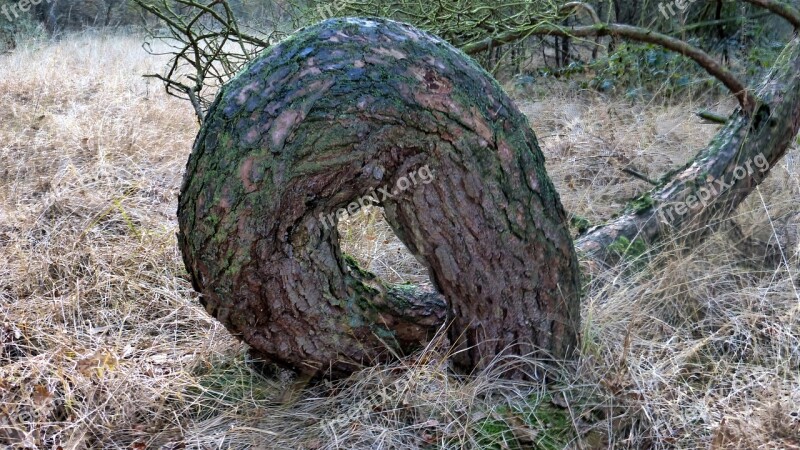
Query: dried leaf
[41, 394]
[97, 363]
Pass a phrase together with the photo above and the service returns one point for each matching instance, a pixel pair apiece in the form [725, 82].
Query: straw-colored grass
[104, 345]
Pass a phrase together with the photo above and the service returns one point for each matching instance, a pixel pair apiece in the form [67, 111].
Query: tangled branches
[460, 22]
[206, 44]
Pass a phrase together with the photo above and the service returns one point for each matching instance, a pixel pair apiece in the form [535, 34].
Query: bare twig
[206, 45]
[639, 175]
[716, 23]
[574, 6]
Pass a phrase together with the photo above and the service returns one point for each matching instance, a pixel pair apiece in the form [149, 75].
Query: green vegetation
[227, 383]
[634, 252]
[537, 425]
[641, 203]
[581, 224]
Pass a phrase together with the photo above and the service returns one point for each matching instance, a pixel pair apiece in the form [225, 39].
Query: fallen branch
[718, 179]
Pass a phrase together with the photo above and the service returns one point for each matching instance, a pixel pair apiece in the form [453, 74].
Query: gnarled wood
[339, 111]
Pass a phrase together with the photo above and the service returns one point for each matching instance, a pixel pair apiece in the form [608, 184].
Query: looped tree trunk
[351, 108]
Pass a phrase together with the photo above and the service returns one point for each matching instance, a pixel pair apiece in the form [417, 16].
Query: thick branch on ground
[719, 178]
[788, 12]
[702, 58]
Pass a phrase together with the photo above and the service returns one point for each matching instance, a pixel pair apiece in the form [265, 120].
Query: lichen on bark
[338, 110]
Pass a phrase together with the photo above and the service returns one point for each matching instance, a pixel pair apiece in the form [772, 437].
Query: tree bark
[338, 112]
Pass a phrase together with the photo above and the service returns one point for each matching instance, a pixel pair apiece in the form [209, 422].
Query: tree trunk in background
[565, 52]
[628, 11]
[718, 179]
[62, 15]
[343, 110]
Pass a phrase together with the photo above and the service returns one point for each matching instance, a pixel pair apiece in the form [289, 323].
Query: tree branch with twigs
[788, 12]
[599, 29]
[206, 44]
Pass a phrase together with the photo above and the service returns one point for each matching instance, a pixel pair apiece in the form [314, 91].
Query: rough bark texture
[339, 110]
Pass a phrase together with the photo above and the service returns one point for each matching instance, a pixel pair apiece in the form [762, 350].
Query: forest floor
[103, 344]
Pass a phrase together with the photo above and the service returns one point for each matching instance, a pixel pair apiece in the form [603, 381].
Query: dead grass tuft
[103, 345]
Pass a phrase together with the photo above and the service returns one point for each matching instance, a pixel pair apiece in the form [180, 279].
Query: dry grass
[103, 345]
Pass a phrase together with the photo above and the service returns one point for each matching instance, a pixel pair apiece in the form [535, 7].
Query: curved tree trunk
[352, 108]
[692, 201]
